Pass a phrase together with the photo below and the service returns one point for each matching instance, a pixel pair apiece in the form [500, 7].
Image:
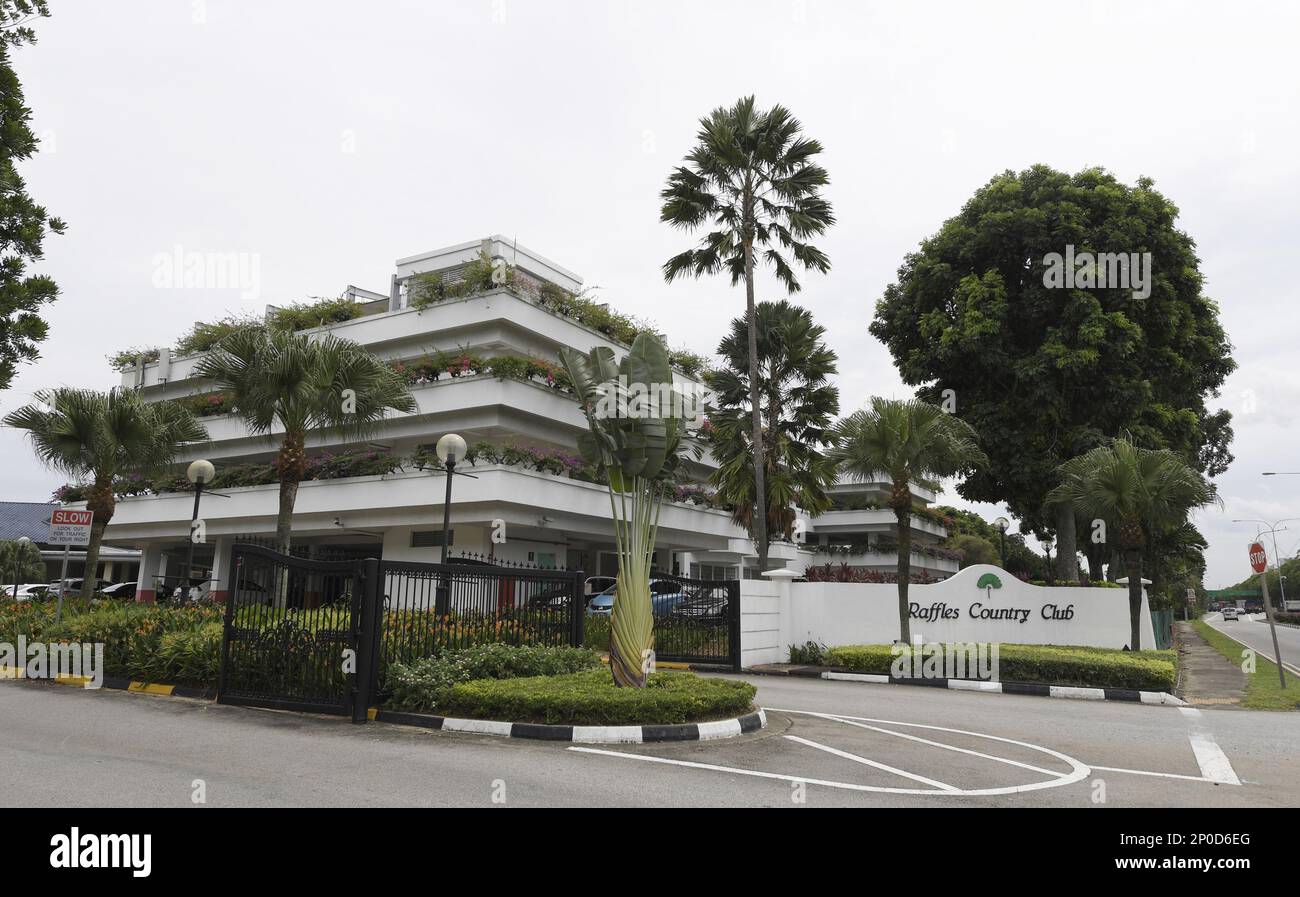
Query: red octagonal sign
[1258, 559]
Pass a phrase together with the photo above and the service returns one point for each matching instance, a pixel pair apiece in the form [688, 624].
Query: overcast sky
[328, 139]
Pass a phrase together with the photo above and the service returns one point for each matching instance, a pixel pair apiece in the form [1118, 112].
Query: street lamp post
[1277, 557]
[199, 473]
[450, 447]
[1002, 524]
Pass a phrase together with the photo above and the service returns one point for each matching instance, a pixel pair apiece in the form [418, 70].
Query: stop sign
[1258, 559]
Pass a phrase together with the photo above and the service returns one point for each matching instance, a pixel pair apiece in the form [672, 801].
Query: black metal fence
[319, 635]
[430, 608]
[292, 636]
[696, 620]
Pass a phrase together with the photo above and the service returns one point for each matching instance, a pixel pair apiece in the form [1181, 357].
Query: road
[872, 745]
[1256, 636]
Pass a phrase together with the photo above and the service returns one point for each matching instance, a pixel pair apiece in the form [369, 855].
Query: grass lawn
[1263, 691]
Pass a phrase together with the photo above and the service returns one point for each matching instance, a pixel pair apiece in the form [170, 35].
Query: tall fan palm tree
[1143, 494]
[908, 441]
[797, 403]
[751, 178]
[98, 436]
[287, 380]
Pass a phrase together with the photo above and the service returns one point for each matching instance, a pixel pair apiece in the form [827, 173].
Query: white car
[1230, 613]
[25, 590]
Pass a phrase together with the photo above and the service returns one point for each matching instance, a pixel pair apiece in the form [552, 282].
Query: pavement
[1205, 675]
[1255, 635]
[827, 744]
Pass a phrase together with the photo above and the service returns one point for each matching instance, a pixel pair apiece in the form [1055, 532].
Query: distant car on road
[1230, 613]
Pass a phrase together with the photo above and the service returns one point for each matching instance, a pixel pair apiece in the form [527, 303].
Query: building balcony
[523, 500]
[871, 521]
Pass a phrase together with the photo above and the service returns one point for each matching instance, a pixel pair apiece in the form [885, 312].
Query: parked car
[665, 596]
[595, 585]
[27, 591]
[601, 605]
[74, 585]
[1230, 613]
[122, 591]
[709, 607]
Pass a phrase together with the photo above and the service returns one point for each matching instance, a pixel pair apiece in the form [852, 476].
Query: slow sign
[69, 526]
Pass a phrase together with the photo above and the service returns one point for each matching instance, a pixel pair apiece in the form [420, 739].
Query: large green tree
[296, 384]
[20, 562]
[752, 180]
[99, 436]
[1144, 495]
[797, 403]
[1045, 372]
[907, 442]
[23, 223]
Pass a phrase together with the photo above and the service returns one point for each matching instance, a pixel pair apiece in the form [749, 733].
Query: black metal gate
[300, 634]
[696, 620]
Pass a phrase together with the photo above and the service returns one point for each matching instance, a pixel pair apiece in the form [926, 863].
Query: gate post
[236, 568]
[367, 641]
[733, 607]
[578, 608]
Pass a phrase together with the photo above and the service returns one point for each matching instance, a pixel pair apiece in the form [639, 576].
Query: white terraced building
[551, 520]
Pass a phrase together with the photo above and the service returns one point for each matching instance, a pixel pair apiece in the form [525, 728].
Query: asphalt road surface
[1256, 636]
[827, 744]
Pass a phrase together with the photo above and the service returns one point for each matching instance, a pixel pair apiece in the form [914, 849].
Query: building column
[222, 577]
[152, 560]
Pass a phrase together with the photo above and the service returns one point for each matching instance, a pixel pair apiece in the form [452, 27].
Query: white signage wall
[981, 603]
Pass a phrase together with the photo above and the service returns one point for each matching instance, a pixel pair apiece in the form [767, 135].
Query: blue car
[665, 595]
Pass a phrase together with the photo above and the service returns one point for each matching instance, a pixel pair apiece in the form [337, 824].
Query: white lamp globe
[450, 447]
[200, 471]
[1002, 524]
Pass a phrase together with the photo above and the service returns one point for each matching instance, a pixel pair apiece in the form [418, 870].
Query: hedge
[422, 684]
[591, 698]
[1048, 664]
[177, 645]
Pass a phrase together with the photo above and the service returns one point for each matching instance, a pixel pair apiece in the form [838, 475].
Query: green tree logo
[988, 582]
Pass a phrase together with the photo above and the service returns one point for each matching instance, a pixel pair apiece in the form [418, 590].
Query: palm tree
[1143, 494]
[908, 441]
[288, 380]
[797, 403]
[751, 178]
[98, 436]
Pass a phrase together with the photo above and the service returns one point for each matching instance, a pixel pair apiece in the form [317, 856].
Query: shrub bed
[591, 698]
[1047, 664]
[176, 645]
[422, 684]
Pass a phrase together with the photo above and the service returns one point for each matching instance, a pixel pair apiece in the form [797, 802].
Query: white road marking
[933, 783]
[1143, 772]
[1260, 652]
[1212, 760]
[950, 747]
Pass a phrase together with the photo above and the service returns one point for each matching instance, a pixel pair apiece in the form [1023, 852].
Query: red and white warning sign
[1258, 559]
[69, 526]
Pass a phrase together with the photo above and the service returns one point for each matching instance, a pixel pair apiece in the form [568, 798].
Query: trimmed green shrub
[423, 684]
[591, 698]
[1048, 664]
[810, 652]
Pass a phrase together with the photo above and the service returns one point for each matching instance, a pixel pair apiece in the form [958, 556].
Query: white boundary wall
[775, 615]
